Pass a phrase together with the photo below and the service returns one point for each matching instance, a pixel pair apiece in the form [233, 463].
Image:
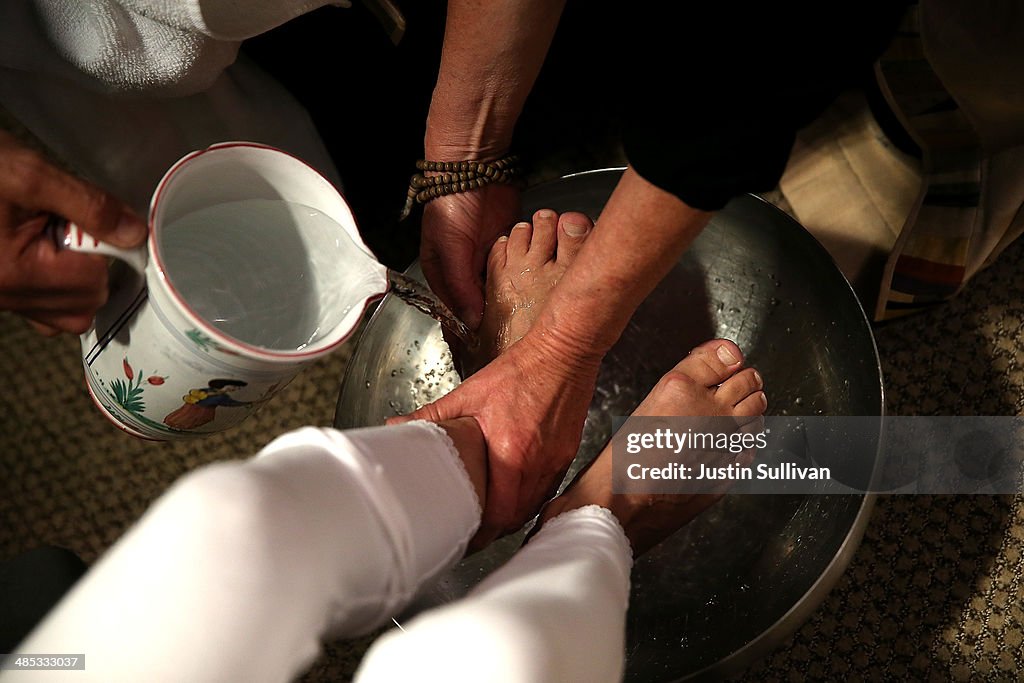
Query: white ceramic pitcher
[155, 362]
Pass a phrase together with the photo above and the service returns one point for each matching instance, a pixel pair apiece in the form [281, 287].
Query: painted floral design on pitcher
[128, 393]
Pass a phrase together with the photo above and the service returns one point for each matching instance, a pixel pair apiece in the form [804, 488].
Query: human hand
[457, 234]
[57, 290]
[530, 403]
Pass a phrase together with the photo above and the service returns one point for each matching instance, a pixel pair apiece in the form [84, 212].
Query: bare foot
[522, 269]
[710, 381]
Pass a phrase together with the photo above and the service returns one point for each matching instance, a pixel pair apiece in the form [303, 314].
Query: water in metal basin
[746, 573]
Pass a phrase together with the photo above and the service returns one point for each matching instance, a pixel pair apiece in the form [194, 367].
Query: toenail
[522, 224]
[726, 355]
[503, 238]
[758, 380]
[574, 229]
[546, 214]
[764, 400]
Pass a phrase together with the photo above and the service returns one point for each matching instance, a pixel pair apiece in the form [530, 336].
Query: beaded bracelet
[457, 176]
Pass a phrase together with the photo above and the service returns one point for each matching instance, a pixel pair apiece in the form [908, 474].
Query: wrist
[438, 179]
[469, 144]
[476, 132]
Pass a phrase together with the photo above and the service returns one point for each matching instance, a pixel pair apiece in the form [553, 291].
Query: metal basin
[743, 576]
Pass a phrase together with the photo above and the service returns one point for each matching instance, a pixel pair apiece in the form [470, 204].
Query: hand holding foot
[530, 402]
[522, 269]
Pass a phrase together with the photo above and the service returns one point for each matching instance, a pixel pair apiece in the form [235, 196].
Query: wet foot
[522, 269]
[711, 381]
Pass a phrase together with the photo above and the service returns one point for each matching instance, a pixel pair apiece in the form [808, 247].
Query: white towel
[155, 46]
[64, 66]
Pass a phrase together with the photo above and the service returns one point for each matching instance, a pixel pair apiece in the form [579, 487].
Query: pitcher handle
[67, 235]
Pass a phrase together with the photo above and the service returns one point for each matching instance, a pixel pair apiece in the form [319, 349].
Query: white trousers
[241, 568]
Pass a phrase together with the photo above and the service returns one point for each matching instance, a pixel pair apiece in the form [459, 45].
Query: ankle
[578, 495]
[469, 442]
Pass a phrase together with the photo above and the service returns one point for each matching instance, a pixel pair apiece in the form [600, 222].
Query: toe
[753, 405]
[712, 362]
[519, 240]
[542, 244]
[573, 228]
[739, 387]
[497, 258]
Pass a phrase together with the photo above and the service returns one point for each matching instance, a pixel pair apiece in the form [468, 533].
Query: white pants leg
[555, 612]
[240, 568]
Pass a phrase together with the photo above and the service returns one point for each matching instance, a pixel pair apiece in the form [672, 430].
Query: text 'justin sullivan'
[732, 472]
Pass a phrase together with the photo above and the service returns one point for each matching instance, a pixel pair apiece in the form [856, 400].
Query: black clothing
[721, 89]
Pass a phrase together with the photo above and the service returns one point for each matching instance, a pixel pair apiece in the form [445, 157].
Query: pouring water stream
[417, 295]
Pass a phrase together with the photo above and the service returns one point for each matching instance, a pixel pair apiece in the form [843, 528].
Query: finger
[29, 180]
[44, 329]
[49, 323]
[500, 513]
[53, 300]
[448, 407]
[59, 291]
[467, 288]
[433, 271]
[68, 279]
[454, 275]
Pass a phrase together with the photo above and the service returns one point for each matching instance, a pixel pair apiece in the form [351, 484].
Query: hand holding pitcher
[56, 291]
